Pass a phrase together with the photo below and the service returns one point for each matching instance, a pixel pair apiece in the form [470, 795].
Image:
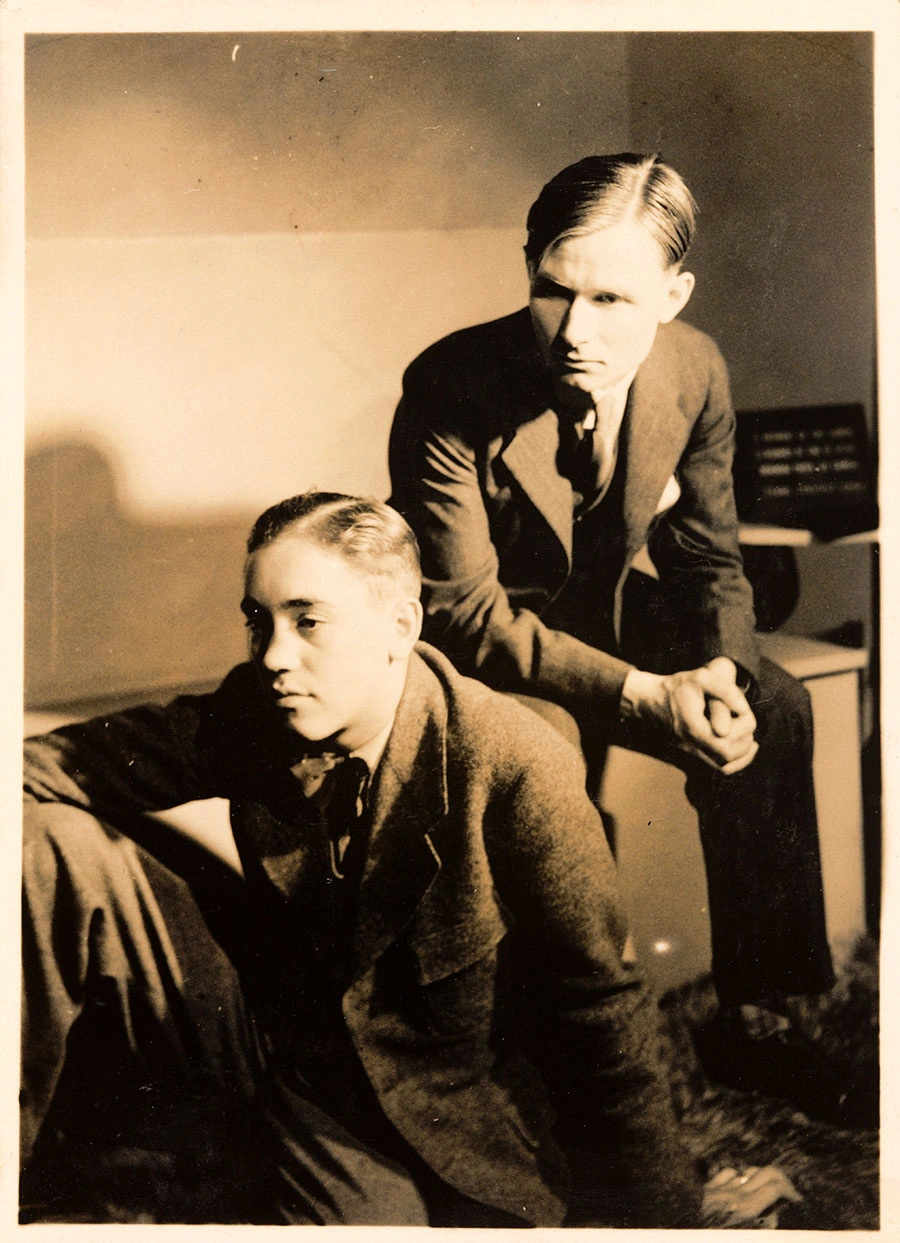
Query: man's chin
[583, 381]
[303, 727]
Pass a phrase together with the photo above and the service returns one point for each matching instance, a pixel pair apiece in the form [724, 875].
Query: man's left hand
[732, 1199]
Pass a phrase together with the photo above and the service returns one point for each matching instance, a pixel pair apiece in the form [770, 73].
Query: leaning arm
[695, 547]
[469, 614]
[135, 761]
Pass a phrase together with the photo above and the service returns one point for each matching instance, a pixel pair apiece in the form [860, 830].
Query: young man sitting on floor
[426, 931]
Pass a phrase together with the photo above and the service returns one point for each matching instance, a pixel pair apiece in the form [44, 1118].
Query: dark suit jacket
[487, 992]
[473, 467]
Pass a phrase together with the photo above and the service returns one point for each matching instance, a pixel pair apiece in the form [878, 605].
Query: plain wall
[237, 242]
[773, 133]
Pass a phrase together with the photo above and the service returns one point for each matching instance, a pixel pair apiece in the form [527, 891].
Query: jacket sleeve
[436, 474]
[594, 1024]
[695, 546]
[148, 758]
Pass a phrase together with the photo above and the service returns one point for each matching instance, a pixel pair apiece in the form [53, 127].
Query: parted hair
[372, 537]
[601, 190]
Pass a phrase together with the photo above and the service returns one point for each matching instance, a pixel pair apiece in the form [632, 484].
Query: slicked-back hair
[601, 190]
[369, 535]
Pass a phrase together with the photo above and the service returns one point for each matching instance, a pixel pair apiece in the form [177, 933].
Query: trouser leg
[759, 833]
[104, 985]
[323, 1175]
[759, 836]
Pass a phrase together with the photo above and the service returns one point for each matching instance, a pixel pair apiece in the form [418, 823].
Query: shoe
[792, 1068]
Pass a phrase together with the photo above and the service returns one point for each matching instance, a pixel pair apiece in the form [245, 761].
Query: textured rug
[835, 1170]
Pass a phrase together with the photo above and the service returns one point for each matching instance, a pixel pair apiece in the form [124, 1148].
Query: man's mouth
[572, 362]
[288, 699]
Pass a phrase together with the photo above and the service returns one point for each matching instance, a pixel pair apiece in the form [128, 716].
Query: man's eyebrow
[249, 606]
[298, 604]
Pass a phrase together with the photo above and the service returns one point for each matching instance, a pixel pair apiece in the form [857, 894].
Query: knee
[561, 720]
[68, 849]
[783, 706]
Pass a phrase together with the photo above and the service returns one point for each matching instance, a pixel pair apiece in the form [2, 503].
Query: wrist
[642, 696]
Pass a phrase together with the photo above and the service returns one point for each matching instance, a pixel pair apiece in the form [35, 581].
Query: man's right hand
[701, 710]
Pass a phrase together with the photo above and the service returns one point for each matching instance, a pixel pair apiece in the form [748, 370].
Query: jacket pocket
[458, 972]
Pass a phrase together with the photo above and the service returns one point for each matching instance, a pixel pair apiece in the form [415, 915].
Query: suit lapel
[409, 799]
[530, 429]
[534, 445]
[653, 432]
[286, 838]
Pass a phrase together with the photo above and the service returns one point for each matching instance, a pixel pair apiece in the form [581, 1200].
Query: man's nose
[281, 650]
[576, 324]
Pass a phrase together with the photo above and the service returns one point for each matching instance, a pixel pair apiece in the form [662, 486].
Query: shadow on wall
[117, 608]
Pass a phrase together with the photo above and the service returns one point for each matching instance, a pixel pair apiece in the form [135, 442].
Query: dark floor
[835, 1169]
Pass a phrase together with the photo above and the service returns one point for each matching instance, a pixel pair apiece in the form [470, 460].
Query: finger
[720, 718]
[744, 723]
[690, 748]
[749, 1204]
[723, 1177]
[742, 762]
[696, 736]
[723, 667]
[719, 759]
[739, 737]
[738, 730]
[773, 1181]
[756, 1191]
[689, 718]
[732, 696]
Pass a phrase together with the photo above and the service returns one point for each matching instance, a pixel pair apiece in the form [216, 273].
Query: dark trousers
[759, 836]
[141, 1060]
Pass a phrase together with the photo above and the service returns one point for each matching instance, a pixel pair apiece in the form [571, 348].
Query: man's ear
[681, 286]
[407, 628]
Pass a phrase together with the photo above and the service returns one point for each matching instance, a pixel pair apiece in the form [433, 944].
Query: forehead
[296, 567]
[621, 251]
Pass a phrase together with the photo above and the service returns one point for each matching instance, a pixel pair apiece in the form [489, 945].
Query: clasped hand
[702, 710]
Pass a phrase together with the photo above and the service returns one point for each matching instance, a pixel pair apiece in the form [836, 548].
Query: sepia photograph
[454, 573]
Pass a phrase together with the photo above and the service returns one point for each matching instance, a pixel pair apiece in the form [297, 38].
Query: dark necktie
[593, 450]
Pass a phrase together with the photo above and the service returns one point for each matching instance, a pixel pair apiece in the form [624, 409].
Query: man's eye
[606, 298]
[542, 288]
[307, 623]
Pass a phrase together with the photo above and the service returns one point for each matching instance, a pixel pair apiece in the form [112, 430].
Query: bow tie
[313, 771]
[336, 786]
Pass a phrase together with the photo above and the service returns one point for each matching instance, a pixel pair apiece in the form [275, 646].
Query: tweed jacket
[487, 999]
[473, 461]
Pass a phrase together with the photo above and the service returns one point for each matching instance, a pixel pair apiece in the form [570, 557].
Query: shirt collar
[373, 750]
[618, 395]
[619, 392]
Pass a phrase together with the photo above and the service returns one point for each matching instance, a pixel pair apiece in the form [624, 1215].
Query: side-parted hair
[371, 536]
[602, 190]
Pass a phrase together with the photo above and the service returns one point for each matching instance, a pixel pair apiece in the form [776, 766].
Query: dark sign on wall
[809, 467]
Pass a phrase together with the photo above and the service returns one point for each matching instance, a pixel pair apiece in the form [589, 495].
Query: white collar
[373, 750]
